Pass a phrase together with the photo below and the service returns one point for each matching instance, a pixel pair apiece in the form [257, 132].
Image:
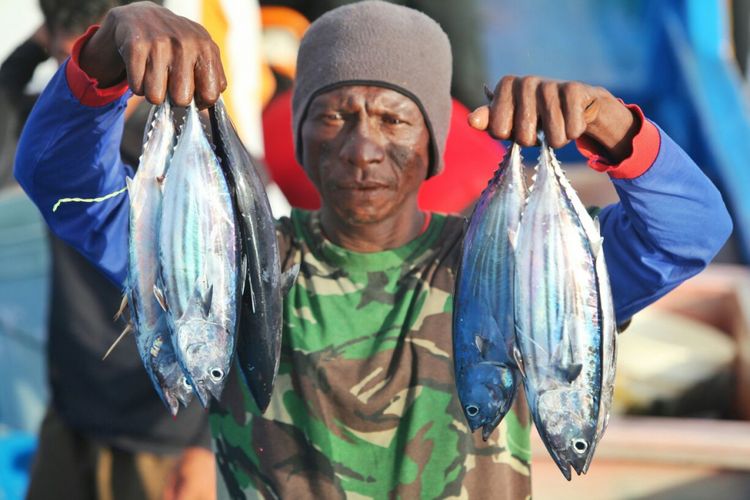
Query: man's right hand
[159, 52]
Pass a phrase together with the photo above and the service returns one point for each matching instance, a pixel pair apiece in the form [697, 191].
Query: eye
[217, 374]
[472, 410]
[580, 446]
[186, 383]
[392, 120]
[331, 116]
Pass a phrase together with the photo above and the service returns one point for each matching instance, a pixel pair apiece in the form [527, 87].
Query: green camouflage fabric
[365, 404]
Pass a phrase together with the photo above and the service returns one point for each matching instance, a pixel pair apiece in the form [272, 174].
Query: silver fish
[199, 253]
[564, 318]
[147, 317]
[483, 324]
[264, 285]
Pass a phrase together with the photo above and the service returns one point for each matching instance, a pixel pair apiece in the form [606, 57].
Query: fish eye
[472, 410]
[580, 446]
[217, 374]
[186, 383]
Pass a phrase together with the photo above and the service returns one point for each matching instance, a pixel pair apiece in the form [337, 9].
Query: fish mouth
[487, 429]
[200, 392]
[565, 469]
[170, 401]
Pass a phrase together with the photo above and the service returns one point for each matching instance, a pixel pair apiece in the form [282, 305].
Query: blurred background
[682, 402]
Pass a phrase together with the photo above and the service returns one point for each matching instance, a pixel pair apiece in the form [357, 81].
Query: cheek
[410, 163]
[316, 157]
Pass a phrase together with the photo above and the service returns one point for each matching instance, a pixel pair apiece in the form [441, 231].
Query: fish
[483, 315]
[264, 284]
[199, 254]
[564, 318]
[147, 319]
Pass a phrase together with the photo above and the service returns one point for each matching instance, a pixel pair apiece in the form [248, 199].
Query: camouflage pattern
[365, 404]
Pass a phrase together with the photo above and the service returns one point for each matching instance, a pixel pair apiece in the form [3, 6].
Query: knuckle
[573, 89]
[548, 91]
[529, 83]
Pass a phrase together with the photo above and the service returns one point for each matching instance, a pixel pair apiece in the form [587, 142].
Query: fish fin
[512, 238]
[160, 298]
[519, 360]
[597, 225]
[127, 330]
[481, 344]
[206, 301]
[252, 293]
[288, 278]
[571, 371]
[129, 184]
[596, 246]
[123, 305]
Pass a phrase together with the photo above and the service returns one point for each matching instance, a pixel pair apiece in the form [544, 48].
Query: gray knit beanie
[381, 44]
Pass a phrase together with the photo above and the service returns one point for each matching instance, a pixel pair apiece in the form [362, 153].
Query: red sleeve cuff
[85, 88]
[645, 149]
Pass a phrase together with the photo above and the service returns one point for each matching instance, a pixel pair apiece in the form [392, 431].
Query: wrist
[100, 59]
[613, 130]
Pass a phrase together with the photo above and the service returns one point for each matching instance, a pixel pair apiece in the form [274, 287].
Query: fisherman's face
[366, 149]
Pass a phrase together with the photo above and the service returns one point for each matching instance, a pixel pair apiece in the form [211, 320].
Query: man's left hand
[565, 111]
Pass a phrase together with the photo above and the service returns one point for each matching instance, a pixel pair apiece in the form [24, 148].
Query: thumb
[479, 118]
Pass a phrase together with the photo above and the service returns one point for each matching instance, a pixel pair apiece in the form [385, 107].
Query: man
[106, 433]
[365, 403]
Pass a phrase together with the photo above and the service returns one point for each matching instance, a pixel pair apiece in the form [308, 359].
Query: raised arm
[69, 149]
[671, 220]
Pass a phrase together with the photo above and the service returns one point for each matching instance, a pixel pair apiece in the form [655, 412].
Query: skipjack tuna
[199, 255]
[147, 319]
[264, 285]
[565, 326]
[483, 324]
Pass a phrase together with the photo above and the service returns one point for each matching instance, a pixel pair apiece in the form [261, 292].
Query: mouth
[362, 186]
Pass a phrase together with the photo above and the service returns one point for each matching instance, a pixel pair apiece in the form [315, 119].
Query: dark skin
[365, 148]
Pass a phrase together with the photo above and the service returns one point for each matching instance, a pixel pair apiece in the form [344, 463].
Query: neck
[393, 232]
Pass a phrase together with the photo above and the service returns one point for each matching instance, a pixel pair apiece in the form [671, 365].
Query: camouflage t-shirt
[365, 404]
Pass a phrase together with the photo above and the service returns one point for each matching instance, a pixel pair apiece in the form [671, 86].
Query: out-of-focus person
[106, 434]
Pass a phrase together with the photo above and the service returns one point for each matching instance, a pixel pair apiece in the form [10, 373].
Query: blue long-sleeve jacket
[670, 223]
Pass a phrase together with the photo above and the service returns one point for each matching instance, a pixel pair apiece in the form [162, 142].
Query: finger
[207, 81]
[135, 54]
[181, 80]
[157, 71]
[525, 115]
[501, 109]
[574, 103]
[550, 114]
[479, 118]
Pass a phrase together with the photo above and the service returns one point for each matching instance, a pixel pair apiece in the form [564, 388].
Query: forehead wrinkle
[374, 99]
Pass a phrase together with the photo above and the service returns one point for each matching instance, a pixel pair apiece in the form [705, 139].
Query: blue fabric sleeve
[68, 150]
[670, 222]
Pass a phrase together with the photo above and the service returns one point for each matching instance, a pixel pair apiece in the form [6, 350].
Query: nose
[362, 145]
